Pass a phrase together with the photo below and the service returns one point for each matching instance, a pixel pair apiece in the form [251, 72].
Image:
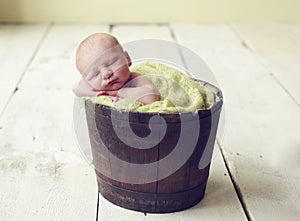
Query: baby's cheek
[96, 84]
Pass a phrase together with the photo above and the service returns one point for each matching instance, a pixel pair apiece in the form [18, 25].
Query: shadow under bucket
[156, 166]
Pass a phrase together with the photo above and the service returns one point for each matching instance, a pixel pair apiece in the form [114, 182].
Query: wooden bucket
[180, 190]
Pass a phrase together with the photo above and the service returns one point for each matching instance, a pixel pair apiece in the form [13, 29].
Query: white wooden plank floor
[255, 176]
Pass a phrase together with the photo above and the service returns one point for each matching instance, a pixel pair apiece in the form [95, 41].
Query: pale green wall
[140, 11]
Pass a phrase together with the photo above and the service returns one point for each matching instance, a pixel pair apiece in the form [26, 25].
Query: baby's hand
[82, 88]
[112, 94]
[109, 93]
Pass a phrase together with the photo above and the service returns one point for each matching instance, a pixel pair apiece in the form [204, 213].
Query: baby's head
[102, 62]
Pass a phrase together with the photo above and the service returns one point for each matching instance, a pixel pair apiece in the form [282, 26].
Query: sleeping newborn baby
[104, 67]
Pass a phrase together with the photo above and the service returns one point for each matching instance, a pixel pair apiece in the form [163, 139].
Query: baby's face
[109, 71]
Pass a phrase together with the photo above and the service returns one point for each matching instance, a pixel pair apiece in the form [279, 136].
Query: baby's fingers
[100, 93]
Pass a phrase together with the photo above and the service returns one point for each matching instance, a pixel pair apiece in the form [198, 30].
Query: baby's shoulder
[134, 75]
[140, 80]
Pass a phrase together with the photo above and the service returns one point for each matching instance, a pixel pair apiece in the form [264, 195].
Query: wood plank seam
[273, 75]
[234, 182]
[26, 68]
[285, 89]
[179, 51]
[97, 209]
[223, 151]
[35, 53]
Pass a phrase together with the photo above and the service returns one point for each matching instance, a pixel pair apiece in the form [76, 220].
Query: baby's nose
[107, 74]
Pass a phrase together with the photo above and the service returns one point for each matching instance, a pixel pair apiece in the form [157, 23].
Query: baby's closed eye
[112, 61]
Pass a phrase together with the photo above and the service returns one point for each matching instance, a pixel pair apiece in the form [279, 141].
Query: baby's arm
[82, 88]
[139, 88]
[142, 90]
[144, 94]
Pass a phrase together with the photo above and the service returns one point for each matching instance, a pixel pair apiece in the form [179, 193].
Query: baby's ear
[128, 58]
